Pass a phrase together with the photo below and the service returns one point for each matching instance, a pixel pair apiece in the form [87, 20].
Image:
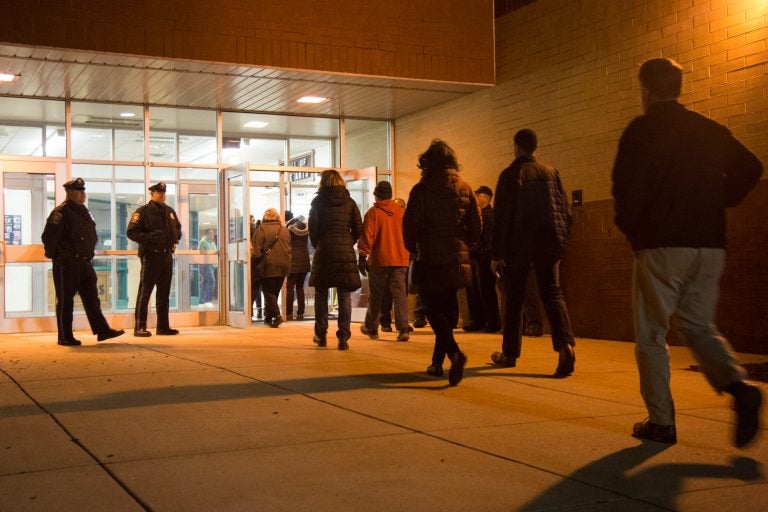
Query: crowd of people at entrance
[449, 237]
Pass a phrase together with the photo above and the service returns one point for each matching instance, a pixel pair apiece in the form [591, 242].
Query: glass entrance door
[236, 231]
[30, 192]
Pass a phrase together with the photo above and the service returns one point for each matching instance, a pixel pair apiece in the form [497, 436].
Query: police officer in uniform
[69, 239]
[156, 228]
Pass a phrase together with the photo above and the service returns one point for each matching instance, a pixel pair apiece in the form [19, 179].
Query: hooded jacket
[334, 227]
[299, 245]
[382, 238]
[440, 225]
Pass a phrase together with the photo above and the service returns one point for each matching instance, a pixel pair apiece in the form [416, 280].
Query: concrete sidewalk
[222, 419]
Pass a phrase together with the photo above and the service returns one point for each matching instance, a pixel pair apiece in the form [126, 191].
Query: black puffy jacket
[440, 225]
[334, 227]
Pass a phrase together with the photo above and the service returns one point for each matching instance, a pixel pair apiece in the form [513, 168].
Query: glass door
[236, 231]
[30, 192]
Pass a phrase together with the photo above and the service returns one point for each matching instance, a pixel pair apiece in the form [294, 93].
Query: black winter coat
[70, 233]
[531, 211]
[155, 227]
[441, 224]
[334, 227]
[300, 262]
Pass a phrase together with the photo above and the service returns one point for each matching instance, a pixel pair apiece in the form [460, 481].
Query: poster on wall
[13, 229]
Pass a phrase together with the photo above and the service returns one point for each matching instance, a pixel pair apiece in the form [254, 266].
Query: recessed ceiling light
[127, 114]
[255, 124]
[312, 99]
[8, 77]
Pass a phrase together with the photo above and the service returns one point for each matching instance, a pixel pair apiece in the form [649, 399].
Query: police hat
[157, 187]
[76, 184]
[484, 190]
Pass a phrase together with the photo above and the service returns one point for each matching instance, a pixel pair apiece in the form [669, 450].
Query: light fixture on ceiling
[312, 99]
[127, 114]
[9, 77]
[256, 124]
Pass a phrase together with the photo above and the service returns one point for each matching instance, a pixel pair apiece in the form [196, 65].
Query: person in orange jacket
[384, 259]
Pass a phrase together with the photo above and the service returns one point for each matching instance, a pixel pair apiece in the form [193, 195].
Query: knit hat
[383, 190]
[484, 190]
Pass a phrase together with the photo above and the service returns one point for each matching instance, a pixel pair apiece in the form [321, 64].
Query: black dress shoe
[142, 333]
[747, 400]
[70, 343]
[320, 341]
[435, 370]
[386, 328]
[276, 321]
[166, 332]
[419, 323]
[566, 361]
[343, 345]
[652, 432]
[111, 333]
[456, 373]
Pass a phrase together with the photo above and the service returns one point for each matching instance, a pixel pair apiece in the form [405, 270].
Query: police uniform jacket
[155, 227]
[70, 233]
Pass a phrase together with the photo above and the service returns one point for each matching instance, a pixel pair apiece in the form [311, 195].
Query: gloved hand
[362, 264]
[497, 267]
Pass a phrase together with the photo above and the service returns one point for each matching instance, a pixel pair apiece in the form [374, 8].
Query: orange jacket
[382, 238]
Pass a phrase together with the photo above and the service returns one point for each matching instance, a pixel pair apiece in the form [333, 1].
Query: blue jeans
[345, 313]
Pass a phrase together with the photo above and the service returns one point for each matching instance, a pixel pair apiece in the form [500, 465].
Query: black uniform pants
[156, 270]
[72, 276]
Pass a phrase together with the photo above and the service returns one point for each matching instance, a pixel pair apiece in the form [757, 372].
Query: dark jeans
[207, 281]
[76, 276]
[385, 315]
[156, 270]
[271, 287]
[418, 309]
[255, 287]
[482, 300]
[440, 308]
[533, 311]
[547, 268]
[345, 312]
[295, 288]
[392, 279]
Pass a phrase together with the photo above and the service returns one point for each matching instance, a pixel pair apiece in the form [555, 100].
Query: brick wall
[568, 70]
[430, 39]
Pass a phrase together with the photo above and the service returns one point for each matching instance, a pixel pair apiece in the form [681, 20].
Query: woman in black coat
[441, 224]
[300, 264]
[334, 227]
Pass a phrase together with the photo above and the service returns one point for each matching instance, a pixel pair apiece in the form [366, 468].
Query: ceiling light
[312, 99]
[127, 114]
[255, 124]
[8, 77]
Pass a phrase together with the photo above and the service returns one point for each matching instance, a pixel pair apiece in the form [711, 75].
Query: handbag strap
[266, 250]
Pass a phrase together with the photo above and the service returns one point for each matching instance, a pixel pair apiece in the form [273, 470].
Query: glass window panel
[311, 153]
[162, 174]
[171, 197]
[93, 171]
[94, 125]
[198, 174]
[128, 197]
[162, 146]
[367, 144]
[129, 172]
[127, 275]
[91, 143]
[203, 218]
[129, 145]
[55, 141]
[197, 149]
[195, 131]
[18, 288]
[21, 140]
[99, 203]
[22, 121]
[204, 284]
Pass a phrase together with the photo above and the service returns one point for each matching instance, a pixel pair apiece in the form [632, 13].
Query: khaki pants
[685, 281]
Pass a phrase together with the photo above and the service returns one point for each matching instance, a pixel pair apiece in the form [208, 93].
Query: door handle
[237, 245]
